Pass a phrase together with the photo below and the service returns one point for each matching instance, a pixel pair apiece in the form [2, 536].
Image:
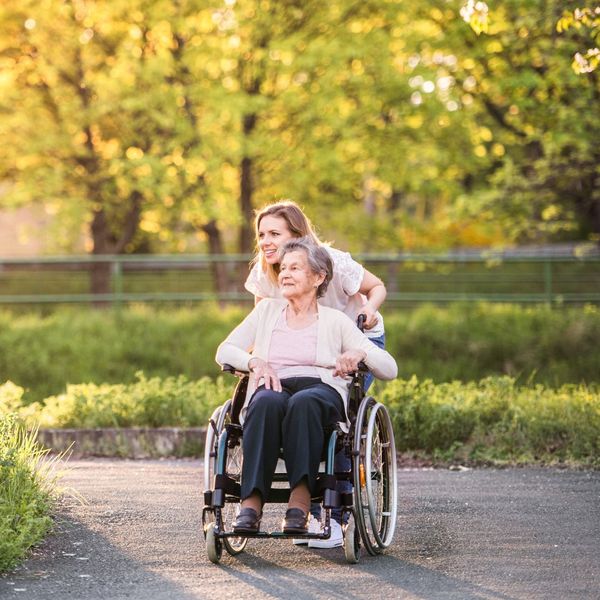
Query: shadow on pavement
[77, 562]
[383, 576]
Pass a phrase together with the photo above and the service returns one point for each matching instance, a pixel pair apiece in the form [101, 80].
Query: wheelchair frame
[369, 444]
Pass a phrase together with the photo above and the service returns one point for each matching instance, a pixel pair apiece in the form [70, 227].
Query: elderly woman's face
[296, 278]
[273, 232]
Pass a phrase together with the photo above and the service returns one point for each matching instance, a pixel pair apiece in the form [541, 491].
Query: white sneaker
[335, 539]
[314, 526]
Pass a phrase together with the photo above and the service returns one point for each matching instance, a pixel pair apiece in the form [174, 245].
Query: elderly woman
[299, 354]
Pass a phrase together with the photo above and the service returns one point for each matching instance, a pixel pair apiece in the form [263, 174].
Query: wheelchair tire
[375, 477]
[351, 542]
[214, 547]
[220, 417]
[210, 445]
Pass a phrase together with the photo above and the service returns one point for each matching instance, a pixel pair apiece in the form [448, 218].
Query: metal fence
[509, 276]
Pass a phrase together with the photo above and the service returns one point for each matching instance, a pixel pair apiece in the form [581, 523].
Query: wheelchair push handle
[360, 322]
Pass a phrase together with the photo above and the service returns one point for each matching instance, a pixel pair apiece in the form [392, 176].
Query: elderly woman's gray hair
[318, 259]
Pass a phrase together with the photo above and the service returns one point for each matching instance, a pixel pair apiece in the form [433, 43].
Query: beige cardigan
[336, 333]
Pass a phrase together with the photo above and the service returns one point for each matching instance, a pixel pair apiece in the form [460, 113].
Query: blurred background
[450, 145]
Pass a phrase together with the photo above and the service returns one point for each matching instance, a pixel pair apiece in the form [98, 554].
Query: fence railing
[410, 278]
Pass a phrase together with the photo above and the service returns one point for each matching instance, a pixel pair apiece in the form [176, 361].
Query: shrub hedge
[496, 420]
[463, 342]
[493, 420]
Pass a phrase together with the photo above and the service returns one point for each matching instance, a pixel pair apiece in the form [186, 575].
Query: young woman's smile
[273, 232]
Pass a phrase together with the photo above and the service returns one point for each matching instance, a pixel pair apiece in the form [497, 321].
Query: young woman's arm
[373, 288]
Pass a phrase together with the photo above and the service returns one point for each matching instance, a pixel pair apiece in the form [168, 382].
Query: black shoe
[296, 521]
[247, 521]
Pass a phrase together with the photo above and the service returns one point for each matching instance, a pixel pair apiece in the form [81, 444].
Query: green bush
[153, 402]
[26, 496]
[472, 341]
[44, 353]
[495, 420]
[463, 341]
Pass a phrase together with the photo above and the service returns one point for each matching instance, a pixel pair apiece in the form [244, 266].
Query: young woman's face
[273, 232]
[296, 278]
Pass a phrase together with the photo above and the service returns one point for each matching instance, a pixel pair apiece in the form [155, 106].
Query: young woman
[353, 290]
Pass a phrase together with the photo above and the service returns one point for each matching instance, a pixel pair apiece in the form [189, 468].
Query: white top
[336, 333]
[342, 292]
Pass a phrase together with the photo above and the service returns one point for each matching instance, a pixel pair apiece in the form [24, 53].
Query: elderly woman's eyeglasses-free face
[296, 278]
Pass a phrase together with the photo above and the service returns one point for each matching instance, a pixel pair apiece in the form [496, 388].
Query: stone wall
[137, 442]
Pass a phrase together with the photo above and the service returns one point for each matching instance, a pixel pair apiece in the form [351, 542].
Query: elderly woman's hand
[347, 362]
[261, 370]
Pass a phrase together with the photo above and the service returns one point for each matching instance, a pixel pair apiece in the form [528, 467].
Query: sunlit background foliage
[159, 125]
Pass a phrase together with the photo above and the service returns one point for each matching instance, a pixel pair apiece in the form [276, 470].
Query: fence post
[548, 281]
[116, 269]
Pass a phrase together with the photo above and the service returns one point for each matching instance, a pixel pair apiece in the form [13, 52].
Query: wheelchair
[370, 509]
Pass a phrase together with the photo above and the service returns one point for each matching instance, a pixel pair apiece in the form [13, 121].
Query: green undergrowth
[466, 342]
[27, 491]
[147, 402]
[492, 421]
[496, 421]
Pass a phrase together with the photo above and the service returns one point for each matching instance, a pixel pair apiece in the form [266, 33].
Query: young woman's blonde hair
[298, 224]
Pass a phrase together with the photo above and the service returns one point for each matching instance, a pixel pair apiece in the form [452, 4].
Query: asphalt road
[503, 534]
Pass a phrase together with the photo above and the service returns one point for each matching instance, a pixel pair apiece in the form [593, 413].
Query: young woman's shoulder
[258, 284]
[337, 255]
[269, 304]
[346, 270]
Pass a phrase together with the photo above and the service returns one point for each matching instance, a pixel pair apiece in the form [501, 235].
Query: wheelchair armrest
[229, 369]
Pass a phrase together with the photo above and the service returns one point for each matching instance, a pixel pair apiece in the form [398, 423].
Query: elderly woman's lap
[294, 420]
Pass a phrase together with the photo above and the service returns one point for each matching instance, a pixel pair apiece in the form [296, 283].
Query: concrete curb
[134, 442]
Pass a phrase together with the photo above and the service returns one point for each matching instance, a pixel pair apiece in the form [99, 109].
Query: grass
[26, 491]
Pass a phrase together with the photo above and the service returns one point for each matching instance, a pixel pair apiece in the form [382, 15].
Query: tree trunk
[215, 248]
[100, 271]
[105, 242]
[246, 240]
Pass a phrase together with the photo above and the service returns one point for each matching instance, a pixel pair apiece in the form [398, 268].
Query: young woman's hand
[347, 362]
[261, 370]
[370, 313]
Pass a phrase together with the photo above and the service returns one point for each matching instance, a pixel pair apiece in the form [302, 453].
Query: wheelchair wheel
[214, 548]
[215, 426]
[233, 545]
[375, 482]
[220, 417]
[351, 542]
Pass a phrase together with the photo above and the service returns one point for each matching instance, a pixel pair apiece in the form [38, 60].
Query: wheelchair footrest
[274, 534]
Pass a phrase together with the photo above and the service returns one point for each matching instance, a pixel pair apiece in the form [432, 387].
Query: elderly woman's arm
[380, 362]
[235, 349]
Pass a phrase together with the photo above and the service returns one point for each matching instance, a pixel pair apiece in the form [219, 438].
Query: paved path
[499, 534]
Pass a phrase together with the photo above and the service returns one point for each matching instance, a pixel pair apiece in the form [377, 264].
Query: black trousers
[294, 420]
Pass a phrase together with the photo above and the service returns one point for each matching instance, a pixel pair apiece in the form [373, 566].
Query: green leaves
[141, 114]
